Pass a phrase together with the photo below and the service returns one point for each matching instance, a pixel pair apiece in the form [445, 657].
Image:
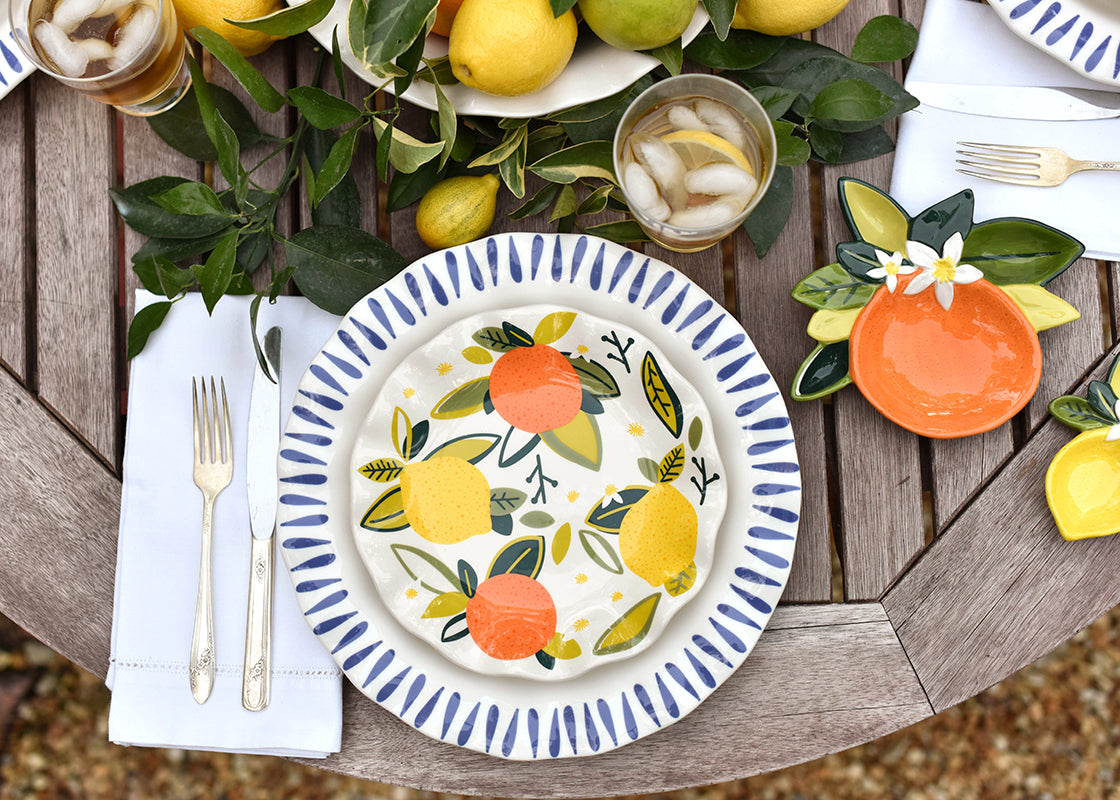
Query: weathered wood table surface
[953, 574]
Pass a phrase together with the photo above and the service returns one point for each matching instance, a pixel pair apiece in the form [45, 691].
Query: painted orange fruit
[945, 373]
[511, 616]
[535, 389]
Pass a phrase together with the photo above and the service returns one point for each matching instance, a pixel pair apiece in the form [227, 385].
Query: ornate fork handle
[1111, 166]
[202, 641]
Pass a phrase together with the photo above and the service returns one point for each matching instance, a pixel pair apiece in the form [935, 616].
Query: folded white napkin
[966, 42]
[159, 546]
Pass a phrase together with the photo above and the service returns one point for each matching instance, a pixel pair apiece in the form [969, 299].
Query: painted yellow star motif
[410, 593]
[409, 392]
[636, 429]
[580, 624]
[581, 578]
[582, 349]
[573, 496]
[616, 596]
[444, 368]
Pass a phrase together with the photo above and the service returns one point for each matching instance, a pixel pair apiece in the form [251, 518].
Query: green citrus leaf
[561, 541]
[462, 401]
[608, 517]
[833, 287]
[504, 501]
[579, 441]
[447, 604]
[537, 519]
[472, 447]
[1078, 413]
[682, 581]
[524, 556]
[599, 550]
[387, 513]
[629, 629]
[823, 372]
[382, 470]
[661, 396]
[672, 465]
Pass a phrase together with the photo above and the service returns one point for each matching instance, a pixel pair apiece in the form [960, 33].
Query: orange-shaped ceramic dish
[945, 373]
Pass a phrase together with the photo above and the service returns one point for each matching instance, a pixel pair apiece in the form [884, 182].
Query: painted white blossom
[1114, 432]
[893, 266]
[941, 271]
[611, 496]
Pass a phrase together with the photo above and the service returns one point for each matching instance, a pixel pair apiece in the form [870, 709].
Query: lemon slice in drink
[701, 147]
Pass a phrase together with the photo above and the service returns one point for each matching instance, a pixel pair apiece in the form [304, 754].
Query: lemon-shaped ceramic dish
[536, 492]
[1083, 486]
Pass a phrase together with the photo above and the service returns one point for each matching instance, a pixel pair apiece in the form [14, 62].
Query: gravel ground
[1050, 731]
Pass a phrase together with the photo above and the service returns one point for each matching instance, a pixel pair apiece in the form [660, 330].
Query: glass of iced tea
[131, 54]
[693, 155]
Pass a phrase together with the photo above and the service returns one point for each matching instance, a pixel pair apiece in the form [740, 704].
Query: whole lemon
[657, 537]
[785, 17]
[457, 210]
[510, 47]
[446, 499]
[214, 13]
[637, 24]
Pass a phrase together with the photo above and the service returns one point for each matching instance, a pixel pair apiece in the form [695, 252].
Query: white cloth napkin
[159, 547]
[966, 42]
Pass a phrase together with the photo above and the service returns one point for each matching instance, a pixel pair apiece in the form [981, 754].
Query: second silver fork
[1023, 165]
[213, 468]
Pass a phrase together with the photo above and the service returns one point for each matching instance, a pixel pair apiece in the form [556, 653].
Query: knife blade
[260, 460]
[1018, 102]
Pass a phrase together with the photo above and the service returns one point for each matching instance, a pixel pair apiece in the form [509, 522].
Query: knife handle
[256, 679]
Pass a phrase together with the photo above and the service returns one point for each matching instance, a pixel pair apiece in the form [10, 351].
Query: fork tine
[227, 438]
[197, 420]
[999, 178]
[1025, 170]
[1012, 148]
[1019, 160]
[207, 430]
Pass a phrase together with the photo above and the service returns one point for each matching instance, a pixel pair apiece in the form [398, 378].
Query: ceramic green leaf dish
[1083, 481]
[934, 317]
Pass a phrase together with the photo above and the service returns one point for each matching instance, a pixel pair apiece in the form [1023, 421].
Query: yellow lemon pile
[510, 47]
[785, 17]
[214, 13]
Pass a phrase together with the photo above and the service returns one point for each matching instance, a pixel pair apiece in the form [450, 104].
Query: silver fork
[1024, 166]
[213, 468]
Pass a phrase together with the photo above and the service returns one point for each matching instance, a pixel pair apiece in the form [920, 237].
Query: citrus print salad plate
[935, 318]
[480, 303]
[543, 504]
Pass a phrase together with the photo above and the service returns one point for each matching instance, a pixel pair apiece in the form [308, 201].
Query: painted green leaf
[419, 439]
[455, 629]
[695, 433]
[462, 401]
[1102, 398]
[823, 372]
[563, 649]
[858, 258]
[516, 335]
[579, 441]
[682, 581]
[595, 378]
[546, 660]
[524, 556]
[382, 470]
[502, 524]
[477, 355]
[1113, 379]
[447, 604]
[672, 465]
[472, 447]
[386, 513]
[504, 501]
[939, 222]
[661, 396]
[648, 468]
[537, 519]
[1015, 250]
[1078, 413]
[422, 566]
[561, 541]
[553, 326]
[828, 326]
[496, 339]
[833, 287]
[873, 215]
[468, 578]
[402, 431]
[600, 550]
[608, 517]
[629, 629]
[1044, 310]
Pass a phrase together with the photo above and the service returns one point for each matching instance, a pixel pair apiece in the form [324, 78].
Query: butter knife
[1018, 102]
[263, 443]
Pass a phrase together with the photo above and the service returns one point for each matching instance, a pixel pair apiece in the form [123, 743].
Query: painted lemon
[510, 47]
[1083, 486]
[446, 499]
[511, 616]
[657, 537]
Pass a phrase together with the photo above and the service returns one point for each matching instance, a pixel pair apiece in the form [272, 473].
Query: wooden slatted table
[953, 575]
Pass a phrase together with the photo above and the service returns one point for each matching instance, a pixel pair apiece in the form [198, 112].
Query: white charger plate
[595, 71]
[1083, 34]
[701, 645]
